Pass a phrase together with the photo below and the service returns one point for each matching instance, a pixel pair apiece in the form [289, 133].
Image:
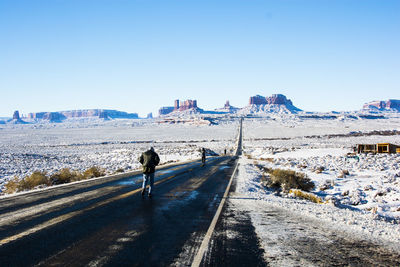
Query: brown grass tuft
[288, 179]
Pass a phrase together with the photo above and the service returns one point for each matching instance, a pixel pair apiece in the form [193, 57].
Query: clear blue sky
[137, 56]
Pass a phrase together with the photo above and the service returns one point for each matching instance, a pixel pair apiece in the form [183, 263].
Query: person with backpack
[203, 156]
[149, 161]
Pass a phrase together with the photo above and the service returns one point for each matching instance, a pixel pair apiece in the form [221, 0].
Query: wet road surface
[110, 224]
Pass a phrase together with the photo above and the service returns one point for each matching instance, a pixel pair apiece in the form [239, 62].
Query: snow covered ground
[283, 223]
[366, 199]
[112, 145]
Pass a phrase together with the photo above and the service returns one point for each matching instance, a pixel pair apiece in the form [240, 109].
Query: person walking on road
[203, 156]
[149, 161]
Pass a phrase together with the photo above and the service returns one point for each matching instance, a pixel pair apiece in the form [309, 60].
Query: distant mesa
[276, 99]
[277, 103]
[391, 104]
[165, 110]
[85, 113]
[16, 119]
[188, 105]
[54, 117]
[103, 115]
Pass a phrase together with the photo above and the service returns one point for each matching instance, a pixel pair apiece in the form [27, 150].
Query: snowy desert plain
[359, 194]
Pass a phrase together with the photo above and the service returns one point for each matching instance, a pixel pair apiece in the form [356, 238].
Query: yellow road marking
[70, 215]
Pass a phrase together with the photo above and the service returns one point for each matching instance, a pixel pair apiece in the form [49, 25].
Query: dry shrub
[93, 172]
[40, 178]
[287, 179]
[249, 156]
[35, 179]
[120, 170]
[65, 176]
[308, 196]
[319, 169]
[268, 159]
[12, 185]
[343, 173]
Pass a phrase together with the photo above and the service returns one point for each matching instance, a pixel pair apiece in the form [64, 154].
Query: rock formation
[258, 100]
[391, 104]
[54, 117]
[227, 108]
[186, 105]
[61, 115]
[276, 99]
[277, 103]
[16, 118]
[103, 115]
[16, 115]
[165, 110]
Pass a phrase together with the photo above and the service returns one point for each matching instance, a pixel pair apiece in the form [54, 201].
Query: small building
[378, 148]
[366, 148]
[387, 148]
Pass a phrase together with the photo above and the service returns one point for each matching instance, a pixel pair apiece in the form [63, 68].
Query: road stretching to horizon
[189, 221]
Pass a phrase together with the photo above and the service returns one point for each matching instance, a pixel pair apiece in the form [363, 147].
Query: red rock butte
[188, 104]
[276, 99]
[179, 106]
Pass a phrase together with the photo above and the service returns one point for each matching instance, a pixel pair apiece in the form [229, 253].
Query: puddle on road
[223, 168]
[193, 195]
[185, 196]
[130, 182]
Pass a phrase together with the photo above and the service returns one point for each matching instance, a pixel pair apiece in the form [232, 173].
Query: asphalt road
[106, 222]
[110, 224]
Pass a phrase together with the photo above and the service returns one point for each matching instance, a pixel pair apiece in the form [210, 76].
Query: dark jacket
[149, 160]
